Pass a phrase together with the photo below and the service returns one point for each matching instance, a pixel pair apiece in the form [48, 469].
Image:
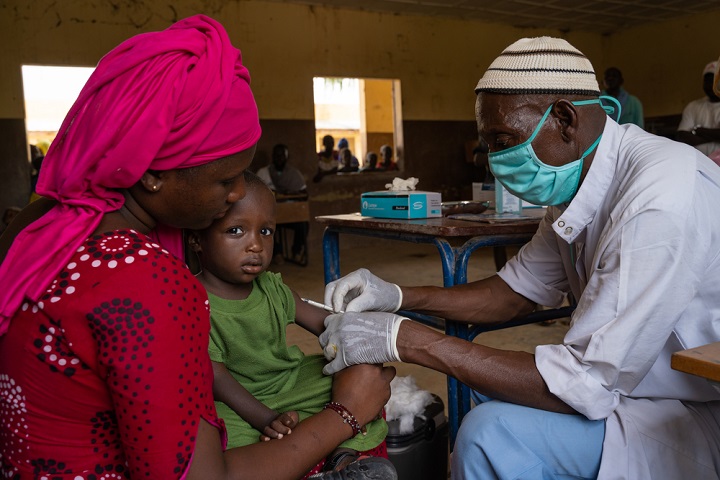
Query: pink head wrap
[159, 101]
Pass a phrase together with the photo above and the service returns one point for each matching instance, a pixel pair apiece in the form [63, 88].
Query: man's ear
[566, 115]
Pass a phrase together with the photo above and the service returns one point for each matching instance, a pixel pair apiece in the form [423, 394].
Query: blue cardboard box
[404, 204]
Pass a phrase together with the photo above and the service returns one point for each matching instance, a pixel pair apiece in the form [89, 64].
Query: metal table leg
[454, 266]
[331, 255]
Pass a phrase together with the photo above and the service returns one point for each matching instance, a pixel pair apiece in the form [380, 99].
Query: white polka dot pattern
[13, 414]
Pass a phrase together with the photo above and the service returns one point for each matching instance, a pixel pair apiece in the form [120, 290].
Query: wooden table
[292, 211]
[702, 361]
[455, 240]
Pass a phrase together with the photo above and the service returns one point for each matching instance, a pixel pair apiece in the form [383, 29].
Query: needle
[320, 305]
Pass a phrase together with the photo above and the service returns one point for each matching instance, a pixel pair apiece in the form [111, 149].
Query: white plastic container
[506, 202]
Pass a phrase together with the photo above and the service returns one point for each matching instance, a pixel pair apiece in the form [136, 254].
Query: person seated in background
[327, 159]
[262, 386]
[346, 164]
[631, 110]
[387, 164]
[715, 155]
[354, 162]
[700, 122]
[36, 158]
[284, 179]
[371, 160]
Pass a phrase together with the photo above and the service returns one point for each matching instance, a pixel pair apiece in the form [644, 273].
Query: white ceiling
[602, 16]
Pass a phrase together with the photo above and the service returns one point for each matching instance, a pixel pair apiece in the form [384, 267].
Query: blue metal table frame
[455, 240]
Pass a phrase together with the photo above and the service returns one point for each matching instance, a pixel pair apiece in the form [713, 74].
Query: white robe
[639, 247]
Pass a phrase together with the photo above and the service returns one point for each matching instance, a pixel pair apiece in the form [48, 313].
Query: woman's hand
[363, 390]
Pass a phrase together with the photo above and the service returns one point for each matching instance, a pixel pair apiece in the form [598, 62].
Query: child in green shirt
[262, 386]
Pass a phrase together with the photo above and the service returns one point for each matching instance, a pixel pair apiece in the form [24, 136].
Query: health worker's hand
[361, 291]
[364, 337]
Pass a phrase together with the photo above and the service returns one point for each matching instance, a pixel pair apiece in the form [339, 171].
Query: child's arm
[229, 391]
[309, 317]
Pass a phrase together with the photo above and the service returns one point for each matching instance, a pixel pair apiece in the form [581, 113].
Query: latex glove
[361, 291]
[364, 337]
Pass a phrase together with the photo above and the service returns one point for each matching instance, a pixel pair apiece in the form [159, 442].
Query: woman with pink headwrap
[104, 371]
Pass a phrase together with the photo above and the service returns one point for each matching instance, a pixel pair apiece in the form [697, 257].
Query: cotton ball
[407, 401]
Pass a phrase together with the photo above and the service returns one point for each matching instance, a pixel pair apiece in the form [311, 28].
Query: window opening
[364, 111]
[49, 93]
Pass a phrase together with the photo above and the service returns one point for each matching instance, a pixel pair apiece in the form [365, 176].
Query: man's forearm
[701, 135]
[500, 374]
[687, 137]
[486, 301]
[709, 134]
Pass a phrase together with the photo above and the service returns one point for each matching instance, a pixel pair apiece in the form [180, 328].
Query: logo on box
[410, 204]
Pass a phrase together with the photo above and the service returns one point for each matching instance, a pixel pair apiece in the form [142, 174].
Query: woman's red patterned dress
[107, 376]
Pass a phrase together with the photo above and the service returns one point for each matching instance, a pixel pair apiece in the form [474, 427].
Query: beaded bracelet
[347, 417]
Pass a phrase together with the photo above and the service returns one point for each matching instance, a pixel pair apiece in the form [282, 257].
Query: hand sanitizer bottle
[506, 202]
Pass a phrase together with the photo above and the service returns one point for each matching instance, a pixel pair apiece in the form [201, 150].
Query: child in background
[346, 158]
[371, 160]
[262, 386]
[387, 164]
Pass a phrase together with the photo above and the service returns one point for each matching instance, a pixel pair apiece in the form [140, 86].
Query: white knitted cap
[540, 65]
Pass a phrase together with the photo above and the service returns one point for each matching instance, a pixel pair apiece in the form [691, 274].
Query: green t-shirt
[248, 336]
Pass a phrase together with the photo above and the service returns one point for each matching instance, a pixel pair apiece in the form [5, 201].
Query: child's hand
[281, 426]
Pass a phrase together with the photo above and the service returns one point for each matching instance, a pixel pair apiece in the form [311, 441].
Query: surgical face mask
[524, 175]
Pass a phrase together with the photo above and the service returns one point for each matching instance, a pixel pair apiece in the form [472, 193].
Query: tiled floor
[406, 264]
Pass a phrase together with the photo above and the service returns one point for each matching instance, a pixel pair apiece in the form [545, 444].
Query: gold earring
[154, 188]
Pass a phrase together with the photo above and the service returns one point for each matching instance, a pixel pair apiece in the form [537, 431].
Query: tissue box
[401, 204]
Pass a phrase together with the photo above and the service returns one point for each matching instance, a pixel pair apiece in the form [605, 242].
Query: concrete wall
[437, 60]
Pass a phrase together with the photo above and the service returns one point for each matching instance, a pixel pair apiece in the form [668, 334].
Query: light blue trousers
[499, 440]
